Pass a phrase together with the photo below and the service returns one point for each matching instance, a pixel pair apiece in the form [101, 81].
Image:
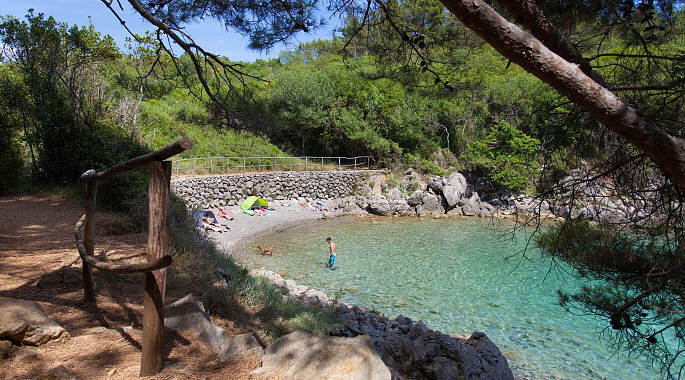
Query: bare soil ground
[39, 262]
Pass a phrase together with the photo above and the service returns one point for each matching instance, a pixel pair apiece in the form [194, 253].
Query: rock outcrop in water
[410, 349]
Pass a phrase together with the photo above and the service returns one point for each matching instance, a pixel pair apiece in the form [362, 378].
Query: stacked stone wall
[229, 190]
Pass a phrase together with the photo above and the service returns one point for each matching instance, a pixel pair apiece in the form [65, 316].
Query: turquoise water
[455, 276]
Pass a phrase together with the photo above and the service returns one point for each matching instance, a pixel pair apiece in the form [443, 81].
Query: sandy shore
[243, 228]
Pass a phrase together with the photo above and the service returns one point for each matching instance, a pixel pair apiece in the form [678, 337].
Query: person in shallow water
[331, 254]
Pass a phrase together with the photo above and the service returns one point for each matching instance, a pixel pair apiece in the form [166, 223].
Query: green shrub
[505, 156]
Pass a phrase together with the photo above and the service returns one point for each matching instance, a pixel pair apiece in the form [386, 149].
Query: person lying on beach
[224, 214]
[331, 253]
[209, 224]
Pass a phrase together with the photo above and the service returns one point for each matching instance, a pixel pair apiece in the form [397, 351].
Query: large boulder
[24, 322]
[239, 345]
[378, 205]
[455, 189]
[401, 208]
[302, 355]
[457, 179]
[431, 202]
[435, 184]
[472, 205]
[188, 314]
[452, 194]
[416, 198]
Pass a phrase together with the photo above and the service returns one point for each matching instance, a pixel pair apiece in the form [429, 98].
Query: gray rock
[239, 345]
[491, 364]
[452, 194]
[431, 202]
[457, 179]
[395, 194]
[24, 322]
[416, 198]
[302, 355]
[401, 208]
[435, 184]
[486, 209]
[378, 205]
[455, 212]
[188, 314]
[472, 205]
[444, 368]
[412, 350]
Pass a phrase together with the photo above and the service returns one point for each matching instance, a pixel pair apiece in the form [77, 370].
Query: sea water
[458, 276]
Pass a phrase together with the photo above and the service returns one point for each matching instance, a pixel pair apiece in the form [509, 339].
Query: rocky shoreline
[408, 348]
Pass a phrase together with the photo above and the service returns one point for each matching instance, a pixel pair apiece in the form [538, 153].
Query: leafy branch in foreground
[642, 287]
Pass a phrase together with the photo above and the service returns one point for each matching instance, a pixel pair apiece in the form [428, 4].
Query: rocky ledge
[436, 196]
[409, 349]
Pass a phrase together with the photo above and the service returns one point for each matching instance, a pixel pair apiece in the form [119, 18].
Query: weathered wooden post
[355, 162]
[321, 163]
[89, 238]
[305, 163]
[211, 165]
[155, 282]
[228, 166]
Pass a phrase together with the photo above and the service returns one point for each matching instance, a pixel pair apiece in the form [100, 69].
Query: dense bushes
[505, 156]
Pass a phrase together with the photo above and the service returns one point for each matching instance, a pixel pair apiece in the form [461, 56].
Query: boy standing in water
[331, 254]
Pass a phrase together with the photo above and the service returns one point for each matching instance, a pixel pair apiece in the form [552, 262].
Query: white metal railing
[226, 165]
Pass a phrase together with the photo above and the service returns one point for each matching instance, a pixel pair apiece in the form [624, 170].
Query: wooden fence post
[155, 282]
[305, 163]
[89, 238]
[228, 166]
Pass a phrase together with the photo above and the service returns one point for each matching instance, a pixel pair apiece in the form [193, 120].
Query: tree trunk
[667, 151]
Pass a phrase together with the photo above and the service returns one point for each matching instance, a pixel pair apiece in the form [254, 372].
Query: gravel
[244, 228]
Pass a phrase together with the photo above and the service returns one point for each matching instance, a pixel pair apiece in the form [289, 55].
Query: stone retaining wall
[229, 190]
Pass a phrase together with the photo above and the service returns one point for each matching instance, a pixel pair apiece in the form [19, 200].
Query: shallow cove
[453, 274]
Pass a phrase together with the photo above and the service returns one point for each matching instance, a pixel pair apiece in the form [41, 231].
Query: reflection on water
[455, 276]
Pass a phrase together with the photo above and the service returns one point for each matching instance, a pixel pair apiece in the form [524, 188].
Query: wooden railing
[157, 245]
[227, 165]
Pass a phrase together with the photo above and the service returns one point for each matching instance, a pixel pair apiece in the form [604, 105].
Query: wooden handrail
[163, 262]
[159, 155]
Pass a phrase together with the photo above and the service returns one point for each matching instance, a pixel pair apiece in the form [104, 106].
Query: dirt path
[39, 262]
